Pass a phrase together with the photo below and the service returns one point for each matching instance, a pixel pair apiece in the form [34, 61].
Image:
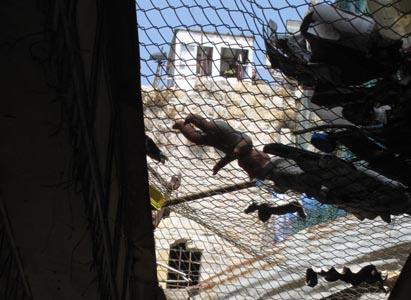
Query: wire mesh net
[276, 154]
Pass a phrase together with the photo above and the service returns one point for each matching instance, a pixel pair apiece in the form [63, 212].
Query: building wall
[216, 239]
[183, 69]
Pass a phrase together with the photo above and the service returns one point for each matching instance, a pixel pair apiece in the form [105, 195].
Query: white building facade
[219, 56]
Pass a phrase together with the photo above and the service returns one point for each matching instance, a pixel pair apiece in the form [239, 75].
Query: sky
[156, 20]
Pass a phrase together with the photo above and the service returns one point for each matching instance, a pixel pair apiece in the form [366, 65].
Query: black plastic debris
[368, 274]
[356, 189]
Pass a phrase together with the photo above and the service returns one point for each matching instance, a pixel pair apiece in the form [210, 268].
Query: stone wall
[216, 225]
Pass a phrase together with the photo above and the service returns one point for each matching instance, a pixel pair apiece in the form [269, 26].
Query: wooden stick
[209, 193]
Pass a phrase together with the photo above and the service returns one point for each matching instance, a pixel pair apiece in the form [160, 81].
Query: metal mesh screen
[319, 92]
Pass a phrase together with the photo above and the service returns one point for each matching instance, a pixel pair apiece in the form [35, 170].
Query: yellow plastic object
[156, 198]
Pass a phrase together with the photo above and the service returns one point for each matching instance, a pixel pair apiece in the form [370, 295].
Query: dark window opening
[233, 62]
[187, 261]
[204, 60]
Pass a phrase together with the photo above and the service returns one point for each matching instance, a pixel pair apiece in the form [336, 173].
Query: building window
[184, 266]
[204, 60]
[233, 62]
[187, 56]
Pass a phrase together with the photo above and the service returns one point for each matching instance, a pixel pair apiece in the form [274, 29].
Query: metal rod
[219, 191]
[321, 127]
[157, 75]
[338, 126]
[173, 281]
[175, 271]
